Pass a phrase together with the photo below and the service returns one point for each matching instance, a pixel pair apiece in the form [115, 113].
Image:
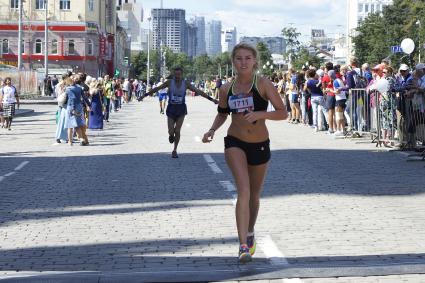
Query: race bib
[241, 103]
[176, 99]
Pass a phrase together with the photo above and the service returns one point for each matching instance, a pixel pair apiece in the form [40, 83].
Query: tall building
[130, 16]
[357, 11]
[228, 39]
[200, 36]
[81, 37]
[135, 6]
[213, 38]
[191, 41]
[320, 40]
[169, 29]
[276, 44]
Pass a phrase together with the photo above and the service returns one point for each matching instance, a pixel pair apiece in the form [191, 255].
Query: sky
[263, 17]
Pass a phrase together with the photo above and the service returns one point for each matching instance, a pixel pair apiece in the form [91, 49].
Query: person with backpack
[9, 99]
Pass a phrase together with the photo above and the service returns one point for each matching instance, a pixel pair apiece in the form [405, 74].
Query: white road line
[22, 165]
[10, 174]
[208, 158]
[198, 139]
[293, 280]
[271, 251]
[228, 186]
[214, 167]
[188, 125]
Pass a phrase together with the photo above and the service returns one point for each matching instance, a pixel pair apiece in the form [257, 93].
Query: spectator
[9, 99]
[74, 119]
[48, 86]
[312, 85]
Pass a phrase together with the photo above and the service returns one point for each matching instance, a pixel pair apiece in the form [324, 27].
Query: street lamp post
[46, 44]
[20, 35]
[419, 32]
[149, 47]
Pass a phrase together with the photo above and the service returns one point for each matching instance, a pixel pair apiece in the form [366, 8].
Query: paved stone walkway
[121, 210]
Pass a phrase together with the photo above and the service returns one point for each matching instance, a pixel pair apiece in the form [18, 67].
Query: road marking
[208, 158]
[10, 174]
[228, 186]
[214, 167]
[198, 139]
[271, 251]
[22, 165]
[292, 280]
[188, 125]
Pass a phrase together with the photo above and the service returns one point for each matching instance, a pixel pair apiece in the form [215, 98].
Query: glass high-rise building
[200, 36]
[169, 29]
[213, 38]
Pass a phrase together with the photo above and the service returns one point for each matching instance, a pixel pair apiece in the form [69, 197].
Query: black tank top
[243, 102]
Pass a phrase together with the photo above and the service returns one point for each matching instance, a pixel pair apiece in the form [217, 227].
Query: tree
[202, 67]
[378, 32]
[293, 45]
[265, 56]
[223, 64]
[303, 57]
[139, 61]
[263, 52]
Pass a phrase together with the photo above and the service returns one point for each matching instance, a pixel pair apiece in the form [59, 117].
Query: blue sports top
[177, 95]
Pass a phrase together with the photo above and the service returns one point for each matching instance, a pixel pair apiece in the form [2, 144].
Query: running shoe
[244, 255]
[252, 244]
[171, 139]
[174, 154]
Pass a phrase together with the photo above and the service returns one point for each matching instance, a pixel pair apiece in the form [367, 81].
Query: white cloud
[265, 17]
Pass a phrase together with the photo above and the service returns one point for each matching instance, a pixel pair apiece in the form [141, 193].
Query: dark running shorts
[256, 153]
[175, 111]
[330, 102]
[341, 103]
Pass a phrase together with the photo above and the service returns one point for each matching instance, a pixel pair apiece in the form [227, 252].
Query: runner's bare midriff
[246, 131]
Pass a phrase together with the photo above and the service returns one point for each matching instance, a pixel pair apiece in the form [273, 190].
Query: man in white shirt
[8, 99]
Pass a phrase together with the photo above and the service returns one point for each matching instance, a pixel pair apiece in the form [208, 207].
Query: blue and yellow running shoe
[252, 244]
[244, 255]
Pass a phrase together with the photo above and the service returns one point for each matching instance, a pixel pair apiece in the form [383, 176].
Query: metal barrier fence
[388, 117]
